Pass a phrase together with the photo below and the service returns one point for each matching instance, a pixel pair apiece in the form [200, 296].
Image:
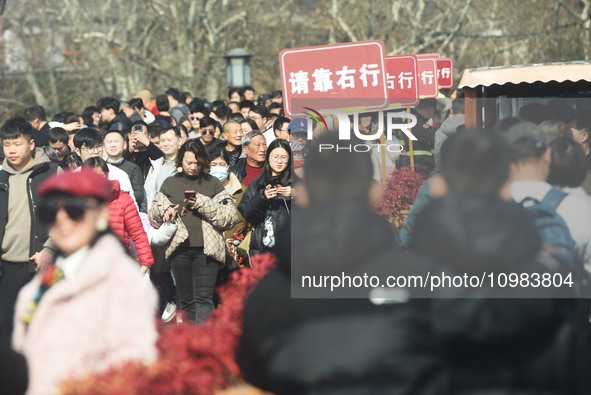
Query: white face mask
[219, 172]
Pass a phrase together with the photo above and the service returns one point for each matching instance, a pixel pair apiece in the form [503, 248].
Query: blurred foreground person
[92, 309]
[489, 344]
[318, 344]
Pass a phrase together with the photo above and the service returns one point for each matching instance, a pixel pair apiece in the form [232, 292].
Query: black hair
[261, 110]
[136, 103]
[234, 90]
[58, 117]
[246, 104]
[155, 129]
[276, 94]
[72, 160]
[279, 123]
[35, 112]
[109, 103]
[223, 112]
[198, 149]
[275, 105]
[88, 138]
[196, 106]
[174, 93]
[568, 167]
[16, 127]
[175, 129]
[57, 134]
[285, 176]
[87, 114]
[119, 132]
[475, 162]
[251, 122]
[162, 103]
[95, 162]
[70, 117]
[184, 96]
[206, 121]
[217, 152]
[236, 116]
[216, 104]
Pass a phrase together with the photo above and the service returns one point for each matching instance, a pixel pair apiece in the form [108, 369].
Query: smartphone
[189, 194]
[136, 129]
[274, 181]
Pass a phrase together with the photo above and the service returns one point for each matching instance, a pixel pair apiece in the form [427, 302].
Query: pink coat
[102, 316]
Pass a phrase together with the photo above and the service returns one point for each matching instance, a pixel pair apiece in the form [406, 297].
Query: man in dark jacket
[299, 340]
[25, 244]
[111, 114]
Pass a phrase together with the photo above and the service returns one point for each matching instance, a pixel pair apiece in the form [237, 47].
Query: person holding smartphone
[202, 209]
[266, 204]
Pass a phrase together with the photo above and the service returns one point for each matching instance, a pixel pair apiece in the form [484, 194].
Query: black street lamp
[238, 68]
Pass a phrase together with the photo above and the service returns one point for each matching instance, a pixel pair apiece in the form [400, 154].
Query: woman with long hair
[266, 204]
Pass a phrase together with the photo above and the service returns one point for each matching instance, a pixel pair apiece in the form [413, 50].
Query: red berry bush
[399, 194]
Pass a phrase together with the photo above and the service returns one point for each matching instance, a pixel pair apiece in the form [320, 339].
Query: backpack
[553, 231]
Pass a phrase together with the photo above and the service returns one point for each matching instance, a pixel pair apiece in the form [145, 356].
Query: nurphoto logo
[400, 120]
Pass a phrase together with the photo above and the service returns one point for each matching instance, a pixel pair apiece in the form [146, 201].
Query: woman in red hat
[92, 309]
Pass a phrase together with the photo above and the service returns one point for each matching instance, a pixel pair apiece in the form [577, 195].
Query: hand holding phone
[190, 197]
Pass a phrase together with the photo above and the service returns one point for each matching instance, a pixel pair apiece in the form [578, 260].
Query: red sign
[333, 77]
[427, 77]
[401, 80]
[445, 73]
[433, 55]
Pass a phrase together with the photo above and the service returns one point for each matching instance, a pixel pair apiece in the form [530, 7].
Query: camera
[136, 129]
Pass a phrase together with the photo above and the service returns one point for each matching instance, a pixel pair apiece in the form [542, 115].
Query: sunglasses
[75, 207]
[212, 132]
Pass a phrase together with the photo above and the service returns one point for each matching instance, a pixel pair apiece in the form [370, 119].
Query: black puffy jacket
[328, 345]
[495, 345]
[255, 208]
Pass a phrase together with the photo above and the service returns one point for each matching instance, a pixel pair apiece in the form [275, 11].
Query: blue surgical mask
[219, 172]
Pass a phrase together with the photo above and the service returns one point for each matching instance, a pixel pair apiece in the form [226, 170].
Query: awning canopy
[528, 74]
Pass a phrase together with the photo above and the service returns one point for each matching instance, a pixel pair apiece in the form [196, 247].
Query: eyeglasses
[195, 118]
[285, 130]
[208, 131]
[74, 206]
[254, 118]
[96, 148]
[279, 158]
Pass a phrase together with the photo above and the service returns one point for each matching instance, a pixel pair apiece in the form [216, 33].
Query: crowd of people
[163, 189]
[143, 207]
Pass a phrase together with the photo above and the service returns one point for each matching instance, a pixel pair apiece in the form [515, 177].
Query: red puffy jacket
[125, 221]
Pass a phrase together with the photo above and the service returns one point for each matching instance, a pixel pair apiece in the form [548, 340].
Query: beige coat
[219, 213]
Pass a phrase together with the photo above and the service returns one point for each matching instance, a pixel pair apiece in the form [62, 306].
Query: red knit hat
[84, 182]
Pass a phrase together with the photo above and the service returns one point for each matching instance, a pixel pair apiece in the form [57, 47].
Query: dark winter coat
[500, 346]
[255, 208]
[336, 346]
